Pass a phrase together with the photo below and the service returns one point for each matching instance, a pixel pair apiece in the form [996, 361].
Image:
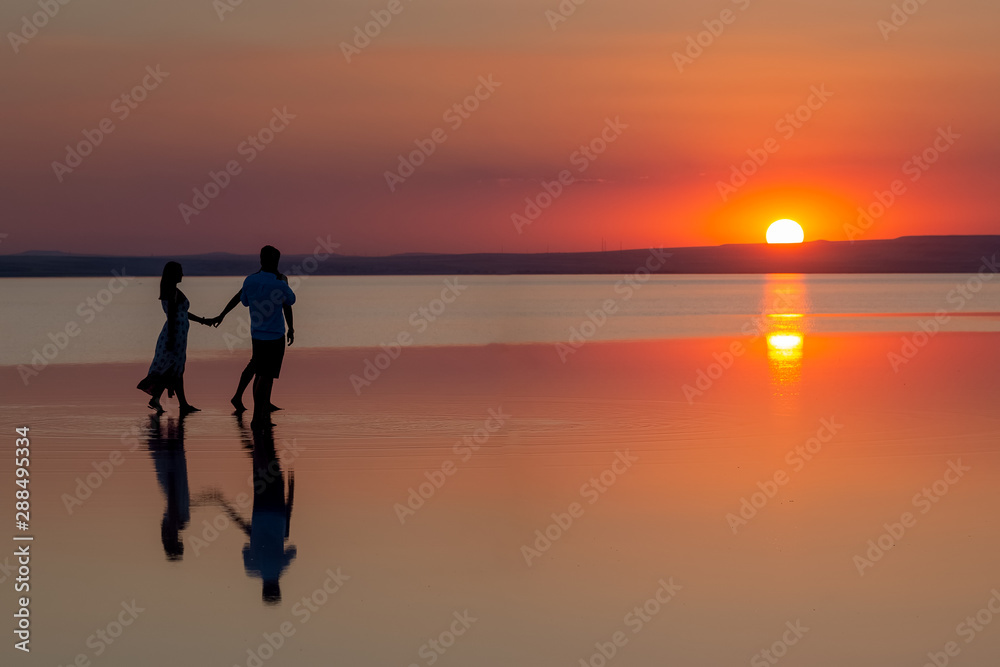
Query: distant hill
[43, 253]
[909, 254]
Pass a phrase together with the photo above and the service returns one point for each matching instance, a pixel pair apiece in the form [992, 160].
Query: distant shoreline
[910, 254]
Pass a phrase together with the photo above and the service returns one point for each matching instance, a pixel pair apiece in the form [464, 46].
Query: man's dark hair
[269, 256]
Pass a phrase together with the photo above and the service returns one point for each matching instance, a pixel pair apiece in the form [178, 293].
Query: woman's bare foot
[187, 408]
[154, 404]
[274, 407]
[238, 404]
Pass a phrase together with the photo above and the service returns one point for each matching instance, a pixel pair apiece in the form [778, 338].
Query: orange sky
[657, 183]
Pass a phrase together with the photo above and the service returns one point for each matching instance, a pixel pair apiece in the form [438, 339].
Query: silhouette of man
[269, 298]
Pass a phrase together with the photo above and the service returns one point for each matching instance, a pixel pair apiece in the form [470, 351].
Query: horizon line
[61, 253]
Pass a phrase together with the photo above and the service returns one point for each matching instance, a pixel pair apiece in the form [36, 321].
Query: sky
[633, 123]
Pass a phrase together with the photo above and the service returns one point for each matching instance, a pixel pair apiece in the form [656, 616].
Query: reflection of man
[269, 298]
[265, 555]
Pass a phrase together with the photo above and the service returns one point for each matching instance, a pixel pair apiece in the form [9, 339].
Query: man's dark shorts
[267, 356]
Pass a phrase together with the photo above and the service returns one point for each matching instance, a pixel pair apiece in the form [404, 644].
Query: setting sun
[785, 231]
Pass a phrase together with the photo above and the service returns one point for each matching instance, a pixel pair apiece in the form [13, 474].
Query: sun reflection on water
[785, 328]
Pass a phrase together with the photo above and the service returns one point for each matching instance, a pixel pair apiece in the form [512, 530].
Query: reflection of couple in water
[269, 298]
[265, 555]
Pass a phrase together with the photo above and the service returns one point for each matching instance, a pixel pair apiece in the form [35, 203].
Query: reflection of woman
[167, 369]
[171, 472]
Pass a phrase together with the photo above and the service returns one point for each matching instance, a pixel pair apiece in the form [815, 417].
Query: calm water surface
[649, 498]
[335, 312]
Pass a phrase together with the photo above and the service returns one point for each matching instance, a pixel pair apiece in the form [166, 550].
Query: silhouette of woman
[167, 369]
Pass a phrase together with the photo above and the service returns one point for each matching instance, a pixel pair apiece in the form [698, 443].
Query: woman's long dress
[168, 365]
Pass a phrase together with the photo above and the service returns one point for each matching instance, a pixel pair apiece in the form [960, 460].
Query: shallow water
[334, 312]
[827, 437]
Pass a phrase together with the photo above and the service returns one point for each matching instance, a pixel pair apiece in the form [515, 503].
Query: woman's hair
[168, 282]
